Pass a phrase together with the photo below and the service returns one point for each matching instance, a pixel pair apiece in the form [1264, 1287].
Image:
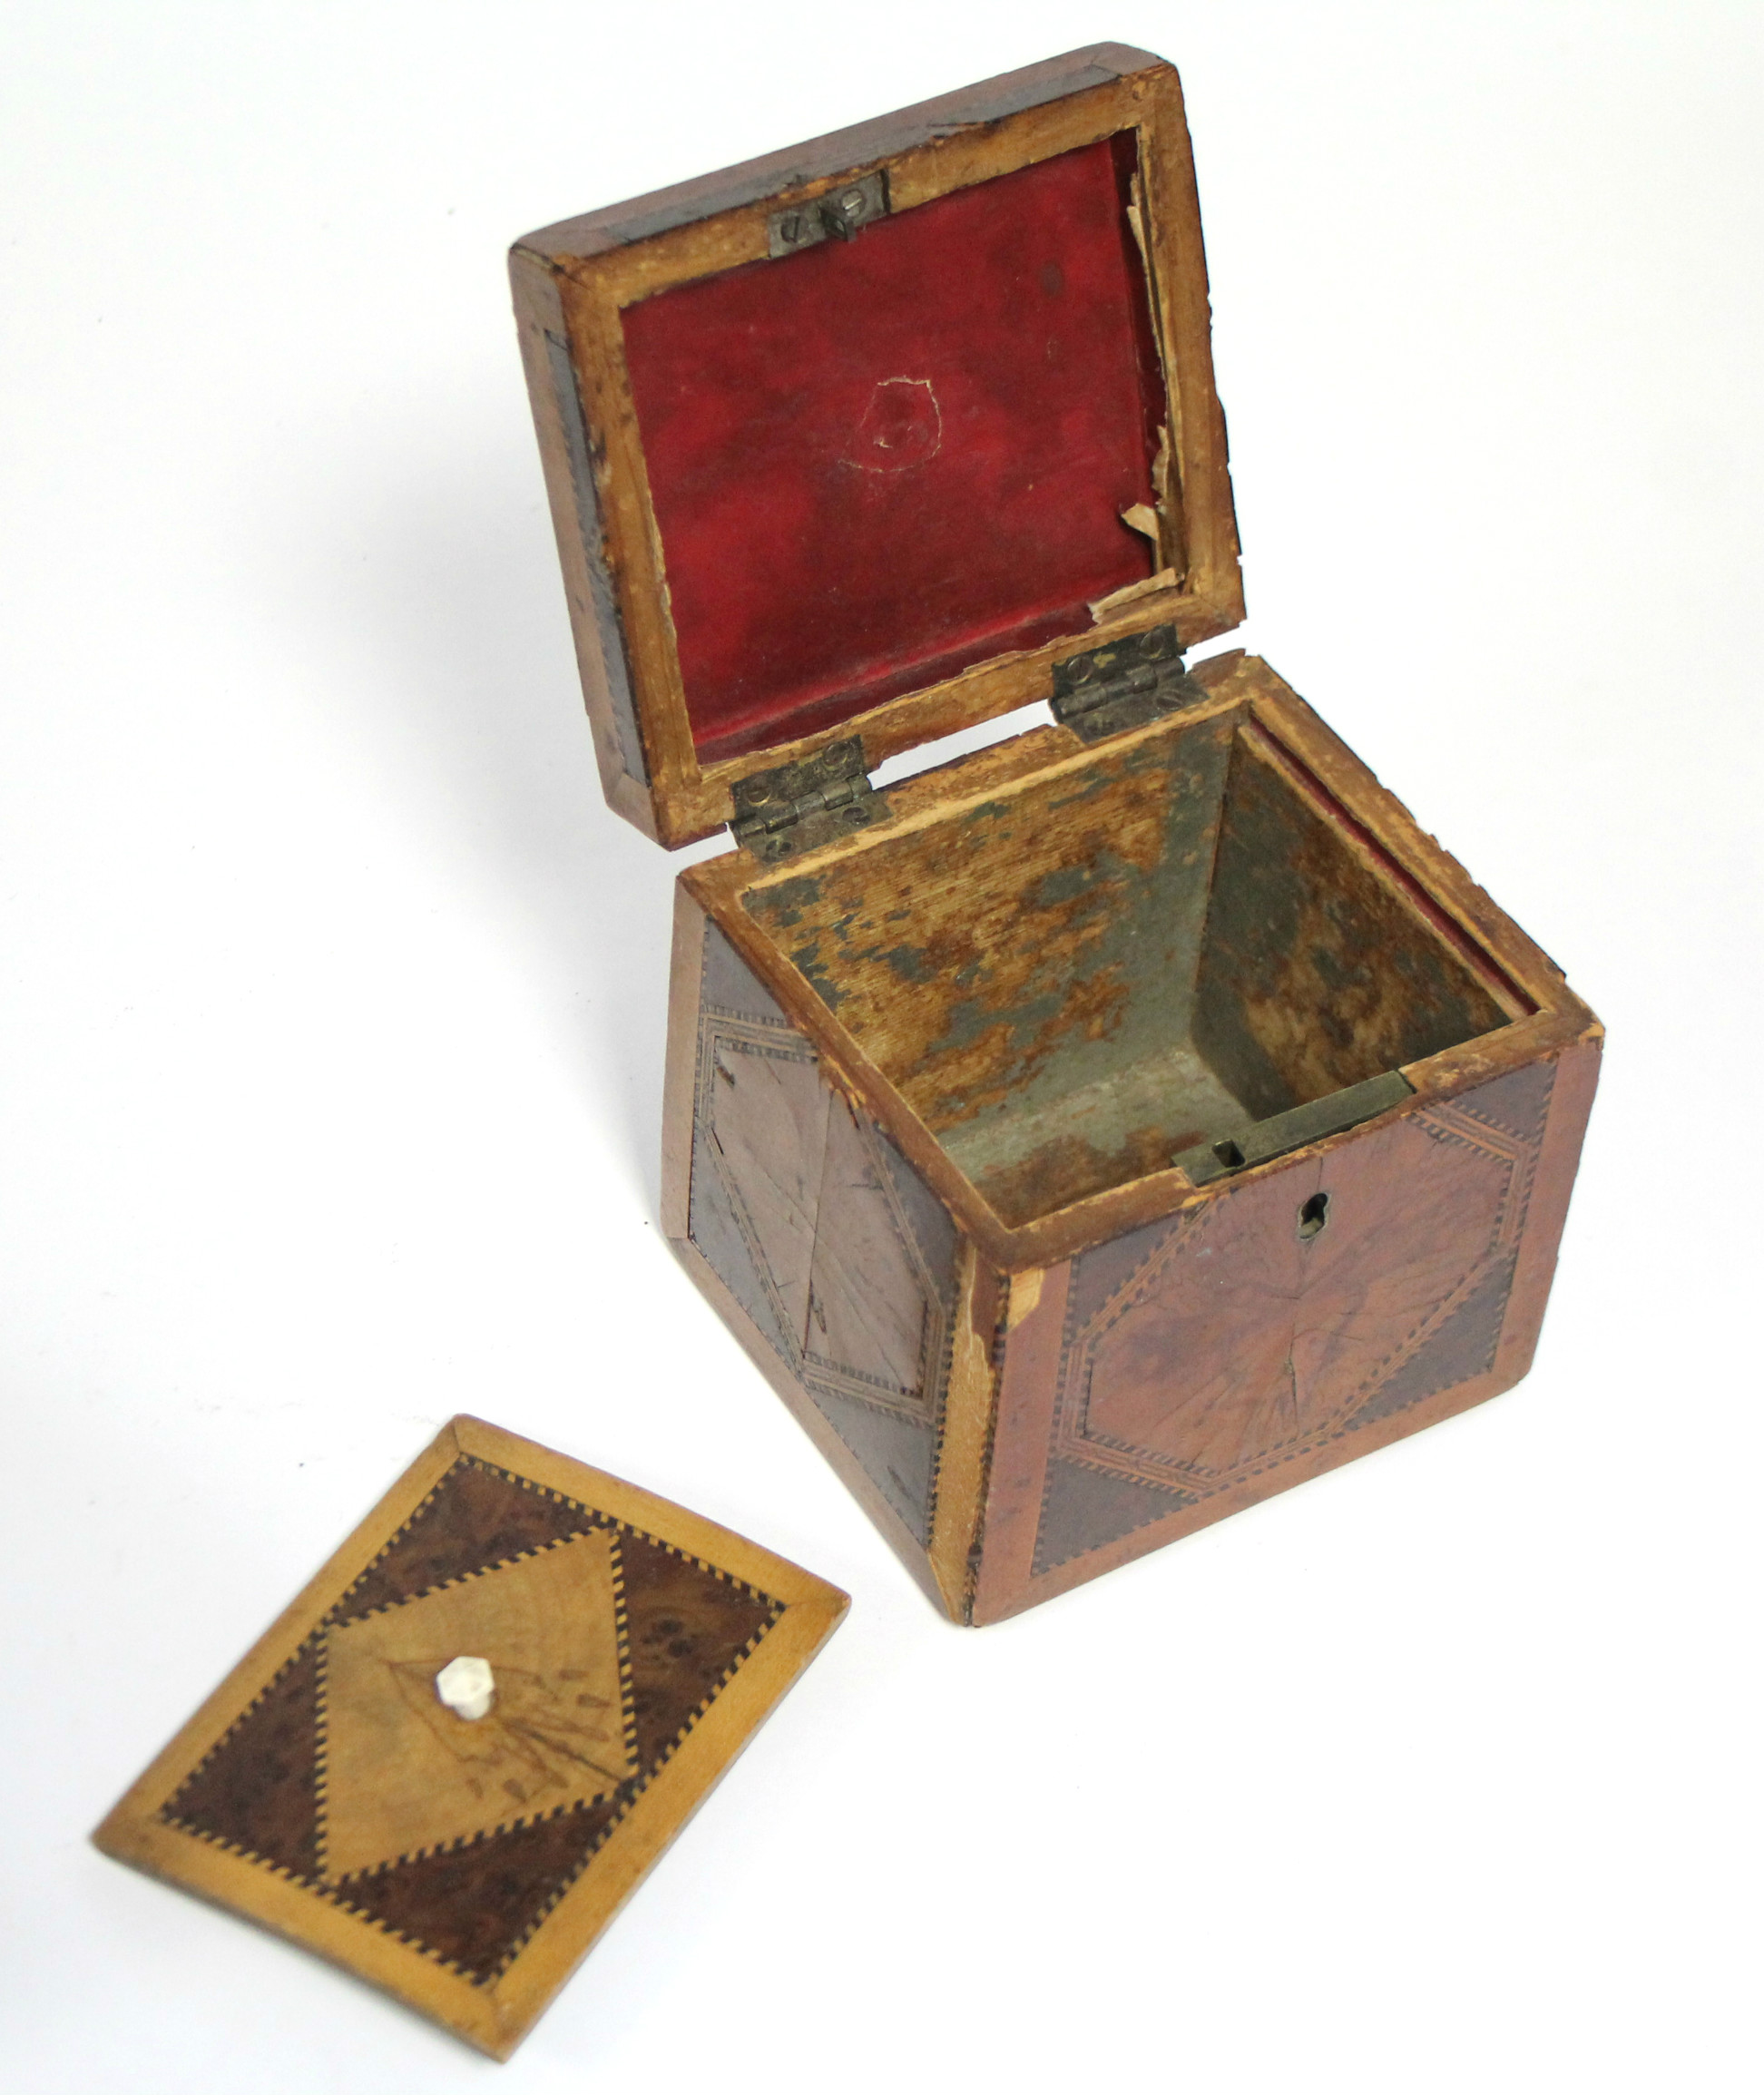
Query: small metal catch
[835, 216]
[1285, 1132]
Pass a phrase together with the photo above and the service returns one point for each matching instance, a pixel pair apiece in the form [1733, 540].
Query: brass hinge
[1124, 685]
[835, 216]
[798, 807]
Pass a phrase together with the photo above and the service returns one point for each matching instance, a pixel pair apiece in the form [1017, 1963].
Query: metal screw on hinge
[840, 215]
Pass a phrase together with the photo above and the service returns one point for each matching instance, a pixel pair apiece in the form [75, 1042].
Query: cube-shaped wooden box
[1106, 1130]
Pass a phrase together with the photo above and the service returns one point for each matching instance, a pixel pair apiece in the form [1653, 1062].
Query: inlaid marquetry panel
[1214, 1348]
[822, 1232]
[339, 1798]
[369, 1779]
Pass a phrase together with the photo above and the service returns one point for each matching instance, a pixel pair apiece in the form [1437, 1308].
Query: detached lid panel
[880, 484]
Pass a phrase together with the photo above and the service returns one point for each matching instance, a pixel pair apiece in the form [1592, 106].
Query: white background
[330, 1066]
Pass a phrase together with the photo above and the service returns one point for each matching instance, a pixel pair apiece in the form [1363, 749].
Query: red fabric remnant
[879, 461]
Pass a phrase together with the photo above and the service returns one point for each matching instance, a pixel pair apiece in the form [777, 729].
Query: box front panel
[1305, 1316]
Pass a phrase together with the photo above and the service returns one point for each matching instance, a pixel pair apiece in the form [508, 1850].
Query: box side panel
[815, 1239]
[1317, 974]
[1571, 1105]
[1317, 1311]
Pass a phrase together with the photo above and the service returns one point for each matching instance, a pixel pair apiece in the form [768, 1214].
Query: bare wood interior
[1158, 945]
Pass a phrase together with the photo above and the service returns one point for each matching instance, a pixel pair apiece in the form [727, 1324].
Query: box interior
[879, 461]
[1151, 947]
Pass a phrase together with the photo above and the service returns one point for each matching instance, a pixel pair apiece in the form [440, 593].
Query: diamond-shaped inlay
[826, 1237]
[403, 1774]
[1246, 1337]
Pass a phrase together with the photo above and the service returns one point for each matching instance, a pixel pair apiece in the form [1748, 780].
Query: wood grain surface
[404, 1776]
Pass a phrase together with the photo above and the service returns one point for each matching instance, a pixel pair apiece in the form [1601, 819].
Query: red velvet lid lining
[879, 462]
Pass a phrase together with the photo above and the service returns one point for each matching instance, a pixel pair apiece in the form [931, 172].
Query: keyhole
[1313, 1216]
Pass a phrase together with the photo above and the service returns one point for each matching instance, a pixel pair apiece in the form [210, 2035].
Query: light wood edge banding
[969, 1411]
[680, 1077]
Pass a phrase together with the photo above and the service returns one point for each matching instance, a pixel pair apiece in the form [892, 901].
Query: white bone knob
[467, 1686]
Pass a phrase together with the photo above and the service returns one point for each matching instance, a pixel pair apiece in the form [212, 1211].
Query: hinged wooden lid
[860, 439]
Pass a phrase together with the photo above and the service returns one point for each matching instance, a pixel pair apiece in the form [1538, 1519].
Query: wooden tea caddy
[1103, 1132]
